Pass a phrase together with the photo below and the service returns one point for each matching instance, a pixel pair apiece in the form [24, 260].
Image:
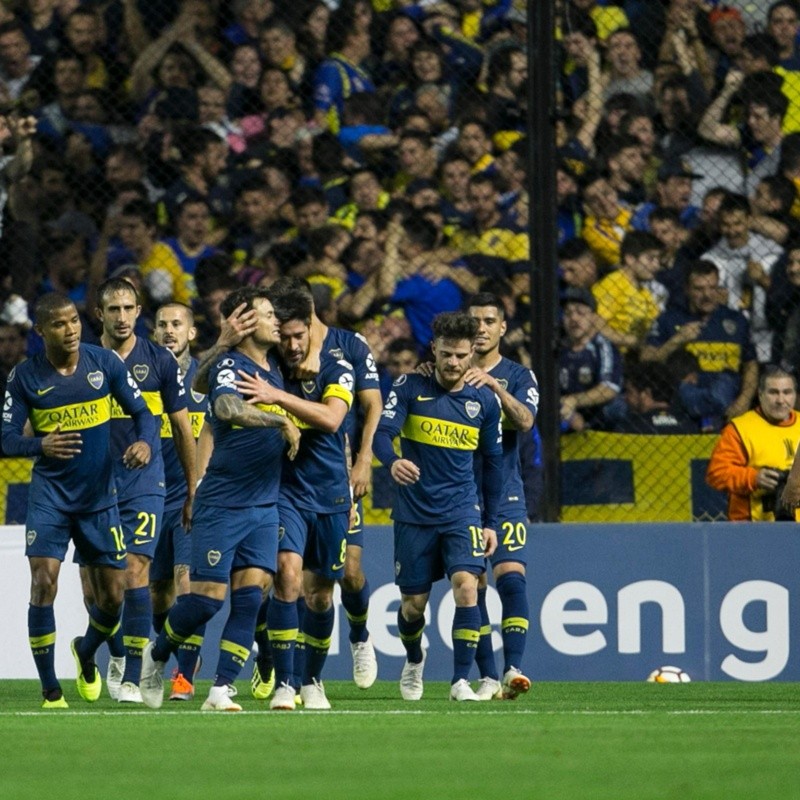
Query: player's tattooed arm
[517, 413]
[231, 408]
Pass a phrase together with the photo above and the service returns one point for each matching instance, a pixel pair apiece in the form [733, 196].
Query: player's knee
[412, 607]
[508, 567]
[44, 587]
[465, 589]
[287, 584]
[137, 572]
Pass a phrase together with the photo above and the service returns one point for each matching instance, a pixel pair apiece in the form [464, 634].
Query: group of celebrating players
[181, 483]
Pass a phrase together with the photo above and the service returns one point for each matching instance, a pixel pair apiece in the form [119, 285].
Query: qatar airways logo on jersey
[73, 414]
[445, 433]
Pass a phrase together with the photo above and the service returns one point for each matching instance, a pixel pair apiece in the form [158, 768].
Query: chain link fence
[379, 150]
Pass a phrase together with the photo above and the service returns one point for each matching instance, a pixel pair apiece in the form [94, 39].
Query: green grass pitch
[562, 740]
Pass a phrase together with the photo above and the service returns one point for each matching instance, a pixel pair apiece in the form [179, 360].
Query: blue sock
[101, 627]
[42, 638]
[264, 658]
[512, 588]
[188, 652]
[159, 618]
[356, 606]
[317, 630]
[282, 624]
[484, 656]
[466, 632]
[300, 645]
[116, 647]
[136, 617]
[411, 636]
[237, 637]
[184, 620]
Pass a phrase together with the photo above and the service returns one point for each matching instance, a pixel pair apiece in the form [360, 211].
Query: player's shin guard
[262, 639]
[466, 632]
[237, 637]
[189, 652]
[300, 645]
[282, 625]
[356, 606]
[411, 636]
[101, 628]
[512, 588]
[116, 647]
[317, 630]
[42, 638]
[137, 615]
[185, 618]
[484, 656]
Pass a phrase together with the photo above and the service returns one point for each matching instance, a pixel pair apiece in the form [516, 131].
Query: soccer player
[518, 392]
[65, 393]
[235, 531]
[169, 572]
[315, 504]
[140, 495]
[439, 524]
[360, 426]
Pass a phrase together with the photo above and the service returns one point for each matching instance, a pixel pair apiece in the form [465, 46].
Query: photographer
[755, 451]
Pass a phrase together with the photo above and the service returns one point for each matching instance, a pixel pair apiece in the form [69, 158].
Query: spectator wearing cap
[628, 298]
[673, 191]
[625, 72]
[608, 219]
[728, 31]
[724, 377]
[626, 166]
[745, 261]
[589, 366]
[577, 265]
[651, 403]
[762, 133]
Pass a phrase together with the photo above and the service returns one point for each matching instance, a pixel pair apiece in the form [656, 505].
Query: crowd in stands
[378, 149]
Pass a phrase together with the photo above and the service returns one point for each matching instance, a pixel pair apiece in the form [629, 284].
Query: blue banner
[612, 603]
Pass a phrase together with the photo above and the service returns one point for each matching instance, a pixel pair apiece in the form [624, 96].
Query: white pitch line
[409, 712]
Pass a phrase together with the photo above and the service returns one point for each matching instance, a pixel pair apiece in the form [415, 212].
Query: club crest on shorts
[213, 557]
[140, 371]
[473, 408]
[396, 567]
[95, 379]
[30, 537]
[281, 533]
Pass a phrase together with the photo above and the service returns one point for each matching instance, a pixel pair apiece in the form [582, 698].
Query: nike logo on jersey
[41, 392]
[423, 399]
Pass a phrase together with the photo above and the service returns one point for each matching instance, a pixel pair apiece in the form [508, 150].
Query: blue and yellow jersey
[522, 385]
[156, 374]
[501, 251]
[79, 402]
[335, 80]
[173, 471]
[353, 348]
[318, 479]
[724, 343]
[440, 432]
[245, 467]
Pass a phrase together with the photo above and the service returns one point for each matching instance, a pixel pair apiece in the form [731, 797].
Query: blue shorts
[320, 539]
[512, 539]
[227, 539]
[174, 546]
[141, 520]
[355, 536]
[97, 535]
[424, 554]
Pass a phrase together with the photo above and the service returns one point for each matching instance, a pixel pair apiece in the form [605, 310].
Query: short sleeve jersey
[318, 478]
[440, 432]
[245, 467]
[724, 343]
[353, 347]
[174, 477]
[156, 374]
[79, 402]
